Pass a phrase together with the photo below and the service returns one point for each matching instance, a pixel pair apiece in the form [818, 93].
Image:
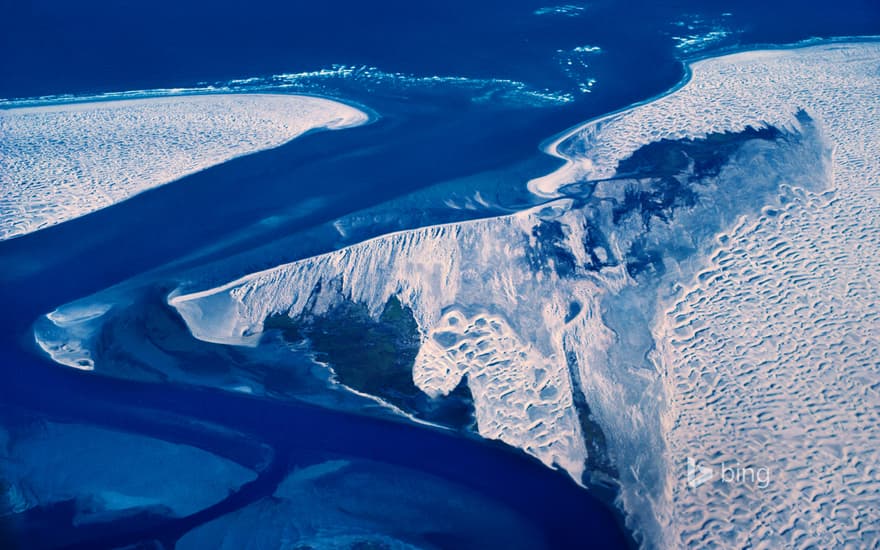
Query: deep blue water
[428, 134]
[297, 435]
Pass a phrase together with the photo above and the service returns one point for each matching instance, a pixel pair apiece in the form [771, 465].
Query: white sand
[59, 162]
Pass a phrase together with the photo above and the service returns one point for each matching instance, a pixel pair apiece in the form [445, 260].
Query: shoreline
[557, 143]
[743, 55]
[168, 93]
[8, 104]
[551, 146]
[240, 124]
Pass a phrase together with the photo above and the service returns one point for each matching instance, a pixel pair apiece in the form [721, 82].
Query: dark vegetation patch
[669, 157]
[593, 241]
[375, 356]
[665, 176]
[659, 200]
[657, 180]
[599, 464]
[574, 308]
[642, 259]
[550, 249]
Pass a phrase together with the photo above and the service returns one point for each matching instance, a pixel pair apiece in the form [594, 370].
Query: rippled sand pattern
[772, 356]
[60, 162]
[519, 381]
[520, 396]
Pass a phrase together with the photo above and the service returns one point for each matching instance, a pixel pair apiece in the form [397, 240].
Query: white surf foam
[564, 10]
[339, 80]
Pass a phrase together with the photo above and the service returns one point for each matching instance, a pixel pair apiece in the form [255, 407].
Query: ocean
[461, 95]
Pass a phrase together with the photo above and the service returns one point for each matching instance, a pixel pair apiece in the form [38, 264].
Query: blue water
[428, 135]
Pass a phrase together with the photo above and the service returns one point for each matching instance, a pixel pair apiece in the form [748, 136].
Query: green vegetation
[374, 356]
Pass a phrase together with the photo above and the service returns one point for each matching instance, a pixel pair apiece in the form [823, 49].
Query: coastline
[572, 132]
[166, 144]
[556, 145]
[552, 146]
[110, 97]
